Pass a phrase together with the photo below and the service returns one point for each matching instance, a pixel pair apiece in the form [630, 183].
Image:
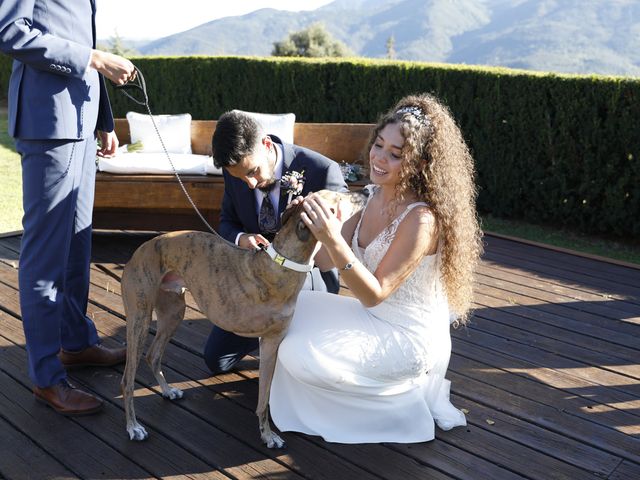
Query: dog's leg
[138, 311]
[170, 307]
[268, 355]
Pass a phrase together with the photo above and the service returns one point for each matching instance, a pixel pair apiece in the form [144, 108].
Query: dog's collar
[285, 262]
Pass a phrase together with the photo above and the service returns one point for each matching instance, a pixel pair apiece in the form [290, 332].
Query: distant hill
[579, 36]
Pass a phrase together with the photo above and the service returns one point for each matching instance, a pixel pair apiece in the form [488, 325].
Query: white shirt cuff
[238, 238]
[86, 69]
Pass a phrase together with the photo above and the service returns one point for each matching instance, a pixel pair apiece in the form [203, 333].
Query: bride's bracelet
[349, 265]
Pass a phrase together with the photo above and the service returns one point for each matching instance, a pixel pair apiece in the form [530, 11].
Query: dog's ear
[289, 212]
[302, 232]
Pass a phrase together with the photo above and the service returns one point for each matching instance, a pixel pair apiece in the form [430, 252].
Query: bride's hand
[324, 223]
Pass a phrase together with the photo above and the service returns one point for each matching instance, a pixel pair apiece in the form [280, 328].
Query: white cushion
[157, 163]
[174, 129]
[279, 124]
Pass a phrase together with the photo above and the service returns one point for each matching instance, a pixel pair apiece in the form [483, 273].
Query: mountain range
[571, 36]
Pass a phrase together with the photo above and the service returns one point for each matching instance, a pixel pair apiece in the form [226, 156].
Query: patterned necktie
[267, 219]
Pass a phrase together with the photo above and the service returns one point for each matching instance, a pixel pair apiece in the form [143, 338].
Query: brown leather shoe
[66, 399]
[94, 356]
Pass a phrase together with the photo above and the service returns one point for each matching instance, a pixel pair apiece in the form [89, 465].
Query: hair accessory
[416, 112]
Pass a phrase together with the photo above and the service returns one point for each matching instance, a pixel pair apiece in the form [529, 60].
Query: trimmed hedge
[555, 149]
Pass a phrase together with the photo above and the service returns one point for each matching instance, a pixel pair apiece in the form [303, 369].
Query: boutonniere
[292, 183]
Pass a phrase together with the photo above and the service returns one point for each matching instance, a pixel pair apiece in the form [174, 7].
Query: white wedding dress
[353, 374]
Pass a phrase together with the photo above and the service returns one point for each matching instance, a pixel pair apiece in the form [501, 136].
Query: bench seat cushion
[174, 129]
[157, 163]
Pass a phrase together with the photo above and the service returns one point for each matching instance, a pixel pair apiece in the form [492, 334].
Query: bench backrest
[339, 141]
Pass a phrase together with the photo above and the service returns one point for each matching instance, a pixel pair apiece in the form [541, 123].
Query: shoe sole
[66, 413]
[85, 365]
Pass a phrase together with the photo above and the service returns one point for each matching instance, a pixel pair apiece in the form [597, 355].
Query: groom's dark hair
[235, 137]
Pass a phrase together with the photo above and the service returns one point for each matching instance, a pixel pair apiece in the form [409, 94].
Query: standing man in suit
[58, 104]
[253, 164]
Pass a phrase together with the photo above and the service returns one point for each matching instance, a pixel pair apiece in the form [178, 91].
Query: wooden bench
[156, 202]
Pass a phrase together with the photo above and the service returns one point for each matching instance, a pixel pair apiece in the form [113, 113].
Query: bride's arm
[416, 237]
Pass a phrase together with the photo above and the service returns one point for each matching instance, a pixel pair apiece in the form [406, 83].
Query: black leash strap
[140, 86]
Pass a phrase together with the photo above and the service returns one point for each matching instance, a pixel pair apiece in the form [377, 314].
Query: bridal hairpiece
[417, 113]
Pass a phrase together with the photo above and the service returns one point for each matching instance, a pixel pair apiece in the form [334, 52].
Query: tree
[116, 45]
[313, 41]
[391, 47]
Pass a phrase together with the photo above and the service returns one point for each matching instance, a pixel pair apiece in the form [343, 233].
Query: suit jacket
[238, 204]
[52, 92]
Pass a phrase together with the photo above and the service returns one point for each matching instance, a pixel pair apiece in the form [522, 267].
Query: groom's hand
[252, 241]
[296, 201]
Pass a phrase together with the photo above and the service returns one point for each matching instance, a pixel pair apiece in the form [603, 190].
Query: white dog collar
[285, 262]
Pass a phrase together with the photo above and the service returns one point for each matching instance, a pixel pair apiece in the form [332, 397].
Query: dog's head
[302, 232]
[349, 203]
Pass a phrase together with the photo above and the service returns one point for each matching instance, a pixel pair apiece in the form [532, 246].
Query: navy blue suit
[56, 104]
[223, 349]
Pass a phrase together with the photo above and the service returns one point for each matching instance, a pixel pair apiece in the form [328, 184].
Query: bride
[372, 368]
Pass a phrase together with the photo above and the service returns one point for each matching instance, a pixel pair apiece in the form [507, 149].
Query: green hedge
[556, 149]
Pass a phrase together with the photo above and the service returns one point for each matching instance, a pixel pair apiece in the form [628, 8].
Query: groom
[254, 199]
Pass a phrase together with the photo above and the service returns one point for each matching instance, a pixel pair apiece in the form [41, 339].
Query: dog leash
[141, 85]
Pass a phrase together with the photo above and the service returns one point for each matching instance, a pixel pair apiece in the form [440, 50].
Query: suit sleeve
[20, 40]
[335, 179]
[105, 121]
[230, 224]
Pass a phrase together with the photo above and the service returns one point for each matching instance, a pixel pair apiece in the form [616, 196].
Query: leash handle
[137, 84]
[140, 85]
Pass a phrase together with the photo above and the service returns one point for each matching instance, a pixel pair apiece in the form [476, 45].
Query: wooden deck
[548, 370]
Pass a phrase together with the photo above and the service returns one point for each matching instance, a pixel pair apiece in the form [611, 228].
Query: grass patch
[10, 181]
[558, 237]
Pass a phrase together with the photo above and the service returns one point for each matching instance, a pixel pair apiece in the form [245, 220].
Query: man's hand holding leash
[120, 71]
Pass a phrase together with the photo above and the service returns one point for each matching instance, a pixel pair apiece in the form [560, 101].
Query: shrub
[556, 149]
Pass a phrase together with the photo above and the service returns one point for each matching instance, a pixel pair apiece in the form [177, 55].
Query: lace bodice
[421, 296]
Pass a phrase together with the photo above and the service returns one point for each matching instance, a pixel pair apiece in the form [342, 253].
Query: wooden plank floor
[548, 371]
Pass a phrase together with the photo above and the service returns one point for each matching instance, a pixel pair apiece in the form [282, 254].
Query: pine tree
[391, 47]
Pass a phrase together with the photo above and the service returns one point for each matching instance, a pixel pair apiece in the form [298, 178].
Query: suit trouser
[58, 182]
[223, 349]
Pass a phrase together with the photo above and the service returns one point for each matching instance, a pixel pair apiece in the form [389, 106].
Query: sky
[150, 19]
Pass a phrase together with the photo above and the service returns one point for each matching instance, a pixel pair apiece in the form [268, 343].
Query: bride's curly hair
[438, 168]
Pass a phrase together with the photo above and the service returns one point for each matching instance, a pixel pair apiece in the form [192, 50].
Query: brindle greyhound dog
[250, 293]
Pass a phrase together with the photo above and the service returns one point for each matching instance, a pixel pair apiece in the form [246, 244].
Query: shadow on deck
[548, 372]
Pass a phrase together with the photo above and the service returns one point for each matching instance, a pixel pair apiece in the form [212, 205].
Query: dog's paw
[273, 440]
[137, 432]
[173, 394]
